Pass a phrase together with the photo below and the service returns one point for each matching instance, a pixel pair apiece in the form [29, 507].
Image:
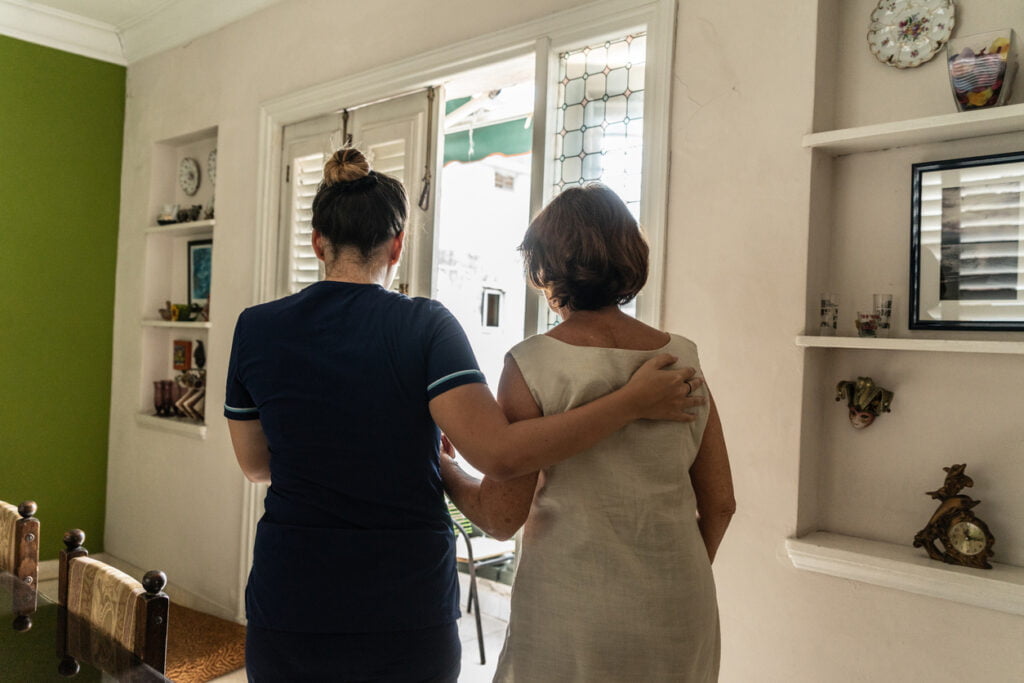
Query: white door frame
[536, 37]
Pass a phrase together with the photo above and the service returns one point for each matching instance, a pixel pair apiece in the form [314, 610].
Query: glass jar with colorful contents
[981, 69]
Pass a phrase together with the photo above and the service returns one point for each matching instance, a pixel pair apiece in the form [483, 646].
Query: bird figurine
[199, 355]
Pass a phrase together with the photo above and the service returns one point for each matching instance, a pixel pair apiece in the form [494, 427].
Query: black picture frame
[967, 274]
[200, 261]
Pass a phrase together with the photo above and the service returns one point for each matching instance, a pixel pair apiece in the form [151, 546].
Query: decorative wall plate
[211, 167]
[907, 33]
[188, 175]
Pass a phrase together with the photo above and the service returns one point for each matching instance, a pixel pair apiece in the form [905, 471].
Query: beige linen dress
[614, 582]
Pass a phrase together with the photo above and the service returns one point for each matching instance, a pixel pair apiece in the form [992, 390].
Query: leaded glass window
[600, 117]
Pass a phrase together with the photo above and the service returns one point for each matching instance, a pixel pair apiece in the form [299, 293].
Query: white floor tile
[493, 621]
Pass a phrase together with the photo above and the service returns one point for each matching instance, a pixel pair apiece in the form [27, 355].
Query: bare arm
[499, 508]
[712, 484]
[475, 423]
[251, 449]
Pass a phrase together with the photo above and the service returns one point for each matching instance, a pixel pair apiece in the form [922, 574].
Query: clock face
[967, 538]
[188, 175]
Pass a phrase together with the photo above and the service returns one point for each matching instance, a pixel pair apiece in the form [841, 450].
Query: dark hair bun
[345, 166]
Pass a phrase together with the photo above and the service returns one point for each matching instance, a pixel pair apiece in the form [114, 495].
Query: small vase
[158, 397]
[981, 69]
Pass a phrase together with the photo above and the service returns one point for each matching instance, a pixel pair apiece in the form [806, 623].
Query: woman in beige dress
[614, 580]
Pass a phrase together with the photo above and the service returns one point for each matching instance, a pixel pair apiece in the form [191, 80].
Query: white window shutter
[304, 268]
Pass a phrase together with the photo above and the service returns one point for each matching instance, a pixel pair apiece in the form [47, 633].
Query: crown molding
[179, 22]
[60, 30]
[168, 25]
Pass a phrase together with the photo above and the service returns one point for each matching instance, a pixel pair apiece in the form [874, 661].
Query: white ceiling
[125, 31]
[119, 31]
[117, 13]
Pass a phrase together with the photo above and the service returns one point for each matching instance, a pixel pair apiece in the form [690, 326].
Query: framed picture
[182, 357]
[200, 253]
[967, 244]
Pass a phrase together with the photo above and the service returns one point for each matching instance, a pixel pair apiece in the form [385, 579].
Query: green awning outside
[509, 138]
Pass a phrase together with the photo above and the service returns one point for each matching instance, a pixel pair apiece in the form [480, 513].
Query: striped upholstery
[8, 535]
[107, 598]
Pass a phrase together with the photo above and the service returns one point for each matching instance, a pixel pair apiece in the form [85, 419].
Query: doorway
[484, 207]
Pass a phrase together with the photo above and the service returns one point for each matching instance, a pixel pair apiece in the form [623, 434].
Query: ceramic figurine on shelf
[167, 312]
[865, 399]
[191, 401]
[183, 313]
[199, 355]
[190, 214]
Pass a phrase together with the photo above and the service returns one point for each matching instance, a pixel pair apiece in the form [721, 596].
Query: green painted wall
[61, 131]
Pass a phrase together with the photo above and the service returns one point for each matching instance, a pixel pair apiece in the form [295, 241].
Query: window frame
[543, 37]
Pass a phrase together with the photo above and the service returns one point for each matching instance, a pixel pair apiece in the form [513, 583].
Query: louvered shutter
[392, 135]
[304, 268]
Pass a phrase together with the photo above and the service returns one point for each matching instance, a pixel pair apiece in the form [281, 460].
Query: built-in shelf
[942, 128]
[183, 229]
[176, 425]
[204, 325]
[894, 344]
[908, 569]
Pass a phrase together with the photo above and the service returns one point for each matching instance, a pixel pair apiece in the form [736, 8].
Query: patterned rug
[201, 647]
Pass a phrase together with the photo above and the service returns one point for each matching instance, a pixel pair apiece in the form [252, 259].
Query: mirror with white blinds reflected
[967, 244]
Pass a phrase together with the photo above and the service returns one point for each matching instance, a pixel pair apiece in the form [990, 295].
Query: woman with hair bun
[334, 397]
[619, 538]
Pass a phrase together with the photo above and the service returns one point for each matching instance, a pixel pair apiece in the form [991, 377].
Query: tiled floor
[493, 619]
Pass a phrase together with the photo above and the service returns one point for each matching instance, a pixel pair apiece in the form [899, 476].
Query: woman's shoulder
[426, 311]
[267, 310]
[685, 349]
[680, 340]
[545, 343]
[529, 345]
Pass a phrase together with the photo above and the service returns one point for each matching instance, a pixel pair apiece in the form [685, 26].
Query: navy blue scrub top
[356, 535]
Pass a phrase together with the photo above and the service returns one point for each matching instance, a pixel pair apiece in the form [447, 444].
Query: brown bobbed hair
[586, 250]
[356, 206]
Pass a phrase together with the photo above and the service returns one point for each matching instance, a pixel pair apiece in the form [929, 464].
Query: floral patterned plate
[907, 33]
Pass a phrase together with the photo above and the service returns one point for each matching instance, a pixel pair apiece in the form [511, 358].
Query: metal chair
[477, 550]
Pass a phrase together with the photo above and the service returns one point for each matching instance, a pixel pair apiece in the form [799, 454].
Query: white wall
[737, 274]
[736, 282]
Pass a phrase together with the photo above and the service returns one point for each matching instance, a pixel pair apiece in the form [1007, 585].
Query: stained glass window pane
[599, 128]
